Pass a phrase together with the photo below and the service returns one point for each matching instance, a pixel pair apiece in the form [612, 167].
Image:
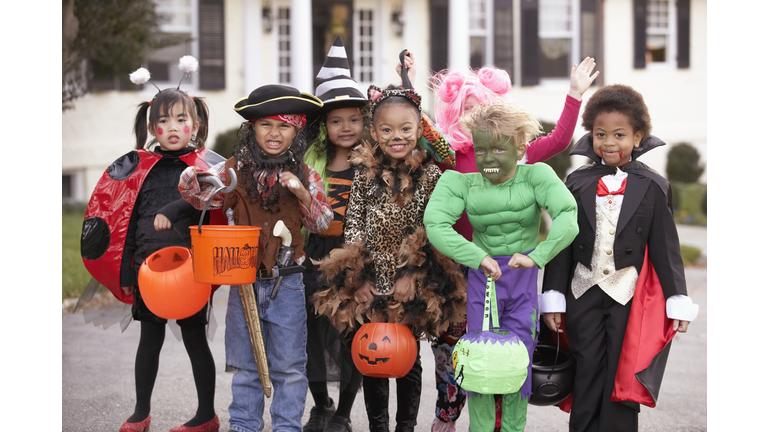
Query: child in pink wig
[458, 91]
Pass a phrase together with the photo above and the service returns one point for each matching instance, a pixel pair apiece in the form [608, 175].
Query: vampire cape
[109, 211]
[649, 333]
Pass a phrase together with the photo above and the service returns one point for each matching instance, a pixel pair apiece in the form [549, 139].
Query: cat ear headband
[187, 65]
[376, 95]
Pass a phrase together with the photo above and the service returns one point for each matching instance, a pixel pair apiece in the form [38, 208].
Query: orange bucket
[167, 284]
[224, 254]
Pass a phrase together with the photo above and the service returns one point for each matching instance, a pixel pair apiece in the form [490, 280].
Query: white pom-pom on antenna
[140, 76]
[187, 64]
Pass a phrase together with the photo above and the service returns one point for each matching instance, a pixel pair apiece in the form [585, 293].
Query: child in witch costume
[387, 271]
[273, 184]
[135, 210]
[503, 202]
[458, 90]
[626, 229]
[338, 128]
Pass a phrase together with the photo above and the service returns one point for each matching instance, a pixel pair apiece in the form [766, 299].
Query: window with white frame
[558, 37]
[365, 44]
[660, 33]
[72, 187]
[480, 33]
[284, 45]
[178, 17]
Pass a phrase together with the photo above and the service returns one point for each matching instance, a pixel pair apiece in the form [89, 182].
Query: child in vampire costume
[503, 202]
[626, 229]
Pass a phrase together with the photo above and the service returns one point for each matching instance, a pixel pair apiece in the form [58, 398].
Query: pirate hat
[335, 86]
[275, 99]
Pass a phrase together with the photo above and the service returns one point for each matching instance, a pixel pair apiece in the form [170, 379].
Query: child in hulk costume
[503, 202]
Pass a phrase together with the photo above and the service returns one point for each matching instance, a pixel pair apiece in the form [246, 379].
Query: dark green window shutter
[438, 34]
[683, 34]
[590, 33]
[639, 8]
[529, 18]
[211, 43]
[503, 48]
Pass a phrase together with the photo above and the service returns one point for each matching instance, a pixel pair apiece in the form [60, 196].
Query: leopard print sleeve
[432, 175]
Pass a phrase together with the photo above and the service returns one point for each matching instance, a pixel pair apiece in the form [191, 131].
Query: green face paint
[496, 160]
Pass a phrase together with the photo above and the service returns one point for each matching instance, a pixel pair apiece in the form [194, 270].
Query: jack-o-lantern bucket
[225, 254]
[384, 350]
[168, 286]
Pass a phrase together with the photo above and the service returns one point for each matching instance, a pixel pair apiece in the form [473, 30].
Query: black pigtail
[202, 118]
[140, 125]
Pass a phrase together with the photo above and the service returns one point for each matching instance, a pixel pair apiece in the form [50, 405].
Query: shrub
[225, 142]
[689, 203]
[683, 164]
[690, 254]
[561, 161]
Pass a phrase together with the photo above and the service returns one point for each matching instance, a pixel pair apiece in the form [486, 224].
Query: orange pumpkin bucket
[168, 286]
[384, 350]
[225, 254]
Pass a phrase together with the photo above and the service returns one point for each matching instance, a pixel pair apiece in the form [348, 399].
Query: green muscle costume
[505, 218]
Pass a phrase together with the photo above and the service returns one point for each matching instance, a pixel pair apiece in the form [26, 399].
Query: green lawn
[74, 276]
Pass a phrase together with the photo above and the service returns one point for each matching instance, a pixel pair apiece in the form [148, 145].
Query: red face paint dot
[160, 131]
[186, 129]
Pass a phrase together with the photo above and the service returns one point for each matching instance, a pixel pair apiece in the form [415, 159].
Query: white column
[458, 33]
[301, 45]
[384, 67]
[253, 34]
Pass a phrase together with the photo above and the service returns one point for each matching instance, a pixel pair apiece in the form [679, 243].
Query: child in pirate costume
[503, 202]
[337, 130]
[605, 280]
[273, 184]
[387, 271]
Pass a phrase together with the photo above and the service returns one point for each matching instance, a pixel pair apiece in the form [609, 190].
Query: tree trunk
[69, 27]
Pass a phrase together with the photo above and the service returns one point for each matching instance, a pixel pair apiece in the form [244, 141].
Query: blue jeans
[284, 328]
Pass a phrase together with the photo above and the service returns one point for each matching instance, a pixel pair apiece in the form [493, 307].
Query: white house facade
[659, 47]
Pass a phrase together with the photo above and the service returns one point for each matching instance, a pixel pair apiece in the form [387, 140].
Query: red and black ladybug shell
[109, 211]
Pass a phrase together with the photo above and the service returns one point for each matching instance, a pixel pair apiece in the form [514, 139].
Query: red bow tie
[602, 189]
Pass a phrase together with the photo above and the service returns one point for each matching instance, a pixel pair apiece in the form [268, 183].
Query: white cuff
[680, 307]
[551, 301]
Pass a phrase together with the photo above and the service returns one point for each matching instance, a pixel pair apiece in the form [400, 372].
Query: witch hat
[335, 86]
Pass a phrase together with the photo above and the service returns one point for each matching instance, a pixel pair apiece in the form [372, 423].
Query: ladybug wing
[107, 217]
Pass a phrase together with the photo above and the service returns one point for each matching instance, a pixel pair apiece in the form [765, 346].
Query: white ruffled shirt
[679, 307]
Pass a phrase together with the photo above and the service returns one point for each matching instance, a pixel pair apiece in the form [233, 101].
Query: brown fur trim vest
[251, 213]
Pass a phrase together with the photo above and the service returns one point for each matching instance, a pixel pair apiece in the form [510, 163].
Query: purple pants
[517, 302]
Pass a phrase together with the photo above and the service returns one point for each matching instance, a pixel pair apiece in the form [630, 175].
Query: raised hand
[582, 77]
[410, 63]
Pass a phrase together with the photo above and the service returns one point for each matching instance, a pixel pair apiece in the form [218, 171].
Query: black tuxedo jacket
[645, 220]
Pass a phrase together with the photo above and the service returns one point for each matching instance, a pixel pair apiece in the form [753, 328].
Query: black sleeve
[664, 247]
[128, 276]
[177, 209]
[558, 272]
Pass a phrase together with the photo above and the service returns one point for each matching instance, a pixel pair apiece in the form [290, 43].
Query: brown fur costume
[386, 240]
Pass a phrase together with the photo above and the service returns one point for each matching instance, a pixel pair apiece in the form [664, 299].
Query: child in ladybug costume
[135, 210]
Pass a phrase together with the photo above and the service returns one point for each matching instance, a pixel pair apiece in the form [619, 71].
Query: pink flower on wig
[495, 79]
[450, 88]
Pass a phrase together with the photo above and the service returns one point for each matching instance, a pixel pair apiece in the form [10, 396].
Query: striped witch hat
[335, 86]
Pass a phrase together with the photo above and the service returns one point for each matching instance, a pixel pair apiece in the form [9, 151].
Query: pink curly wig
[453, 87]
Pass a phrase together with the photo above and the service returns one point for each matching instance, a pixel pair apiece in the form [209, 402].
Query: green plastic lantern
[490, 361]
